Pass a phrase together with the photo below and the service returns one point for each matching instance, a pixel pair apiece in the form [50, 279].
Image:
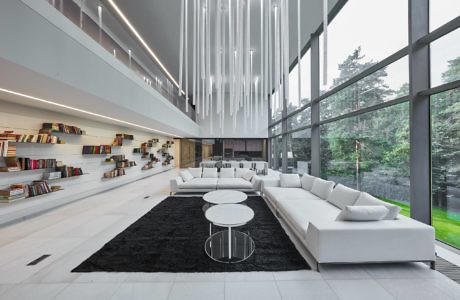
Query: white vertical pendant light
[194, 52]
[181, 46]
[186, 55]
[241, 92]
[299, 67]
[325, 25]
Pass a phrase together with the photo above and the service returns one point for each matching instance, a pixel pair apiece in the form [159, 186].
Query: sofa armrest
[387, 240]
[174, 184]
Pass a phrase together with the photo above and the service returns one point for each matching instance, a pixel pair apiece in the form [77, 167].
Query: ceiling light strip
[84, 111]
[142, 41]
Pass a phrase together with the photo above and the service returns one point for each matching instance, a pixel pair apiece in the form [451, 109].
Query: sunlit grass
[446, 224]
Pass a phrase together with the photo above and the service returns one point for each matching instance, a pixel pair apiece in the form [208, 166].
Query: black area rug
[171, 237]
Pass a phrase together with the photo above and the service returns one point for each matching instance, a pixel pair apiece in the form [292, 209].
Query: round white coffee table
[225, 197]
[229, 246]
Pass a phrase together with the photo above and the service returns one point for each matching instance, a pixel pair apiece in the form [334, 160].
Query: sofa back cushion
[322, 188]
[248, 175]
[227, 173]
[239, 172]
[186, 175]
[210, 173]
[342, 196]
[366, 199]
[196, 172]
[362, 213]
[290, 181]
[307, 181]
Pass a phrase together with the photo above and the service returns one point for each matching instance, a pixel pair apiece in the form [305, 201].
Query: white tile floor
[72, 233]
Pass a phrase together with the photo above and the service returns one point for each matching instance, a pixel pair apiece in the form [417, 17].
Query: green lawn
[447, 225]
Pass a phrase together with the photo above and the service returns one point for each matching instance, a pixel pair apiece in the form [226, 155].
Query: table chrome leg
[229, 243]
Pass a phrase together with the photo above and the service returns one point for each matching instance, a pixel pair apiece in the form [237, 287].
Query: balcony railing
[96, 27]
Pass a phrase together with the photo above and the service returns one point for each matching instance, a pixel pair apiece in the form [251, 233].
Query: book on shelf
[97, 149]
[7, 148]
[38, 187]
[11, 164]
[13, 193]
[69, 171]
[125, 136]
[60, 127]
[27, 164]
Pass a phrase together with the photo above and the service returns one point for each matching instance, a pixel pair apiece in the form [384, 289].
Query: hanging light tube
[186, 55]
[325, 25]
[181, 45]
[195, 36]
[299, 67]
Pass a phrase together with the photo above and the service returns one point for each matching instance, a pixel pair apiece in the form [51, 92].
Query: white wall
[27, 120]
[243, 129]
[45, 55]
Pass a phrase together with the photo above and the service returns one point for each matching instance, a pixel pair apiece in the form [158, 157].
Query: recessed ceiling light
[142, 41]
[85, 112]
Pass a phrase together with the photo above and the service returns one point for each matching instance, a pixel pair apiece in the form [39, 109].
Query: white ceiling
[158, 22]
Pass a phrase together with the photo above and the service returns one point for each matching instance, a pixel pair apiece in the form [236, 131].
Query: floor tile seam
[371, 279]
[392, 294]
[332, 289]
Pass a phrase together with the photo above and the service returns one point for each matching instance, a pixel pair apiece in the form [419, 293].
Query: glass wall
[442, 11]
[364, 126]
[386, 84]
[301, 119]
[294, 101]
[276, 153]
[362, 32]
[299, 152]
[370, 153]
[445, 59]
[445, 170]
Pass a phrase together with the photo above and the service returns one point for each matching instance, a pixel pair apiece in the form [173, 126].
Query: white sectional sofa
[315, 211]
[208, 179]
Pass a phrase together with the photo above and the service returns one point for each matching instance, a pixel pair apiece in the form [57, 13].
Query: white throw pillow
[210, 173]
[322, 188]
[248, 175]
[227, 173]
[239, 172]
[366, 199]
[186, 175]
[342, 196]
[307, 181]
[196, 172]
[290, 181]
[362, 213]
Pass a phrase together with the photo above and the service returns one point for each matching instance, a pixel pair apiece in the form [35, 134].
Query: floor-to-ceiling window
[367, 107]
[445, 124]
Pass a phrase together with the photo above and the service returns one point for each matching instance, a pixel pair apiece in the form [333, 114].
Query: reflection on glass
[370, 152]
[442, 11]
[276, 153]
[300, 119]
[299, 152]
[275, 130]
[445, 59]
[445, 160]
[386, 84]
[365, 30]
[294, 102]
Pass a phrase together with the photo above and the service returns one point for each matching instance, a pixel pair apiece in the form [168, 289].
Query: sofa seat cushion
[300, 212]
[278, 193]
[200, 183]
[233, 183]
